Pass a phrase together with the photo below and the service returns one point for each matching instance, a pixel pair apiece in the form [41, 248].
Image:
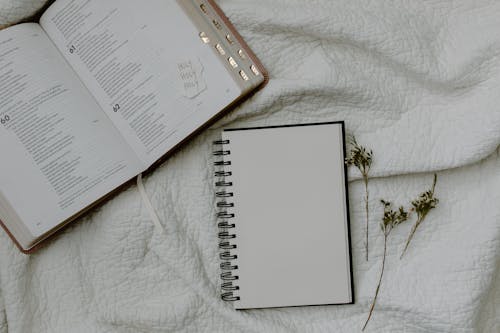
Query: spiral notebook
[283, 216]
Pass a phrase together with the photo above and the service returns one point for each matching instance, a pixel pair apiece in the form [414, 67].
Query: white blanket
[13, 11]
[417, 81]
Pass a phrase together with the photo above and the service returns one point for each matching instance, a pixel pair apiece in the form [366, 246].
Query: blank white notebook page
[291, 216]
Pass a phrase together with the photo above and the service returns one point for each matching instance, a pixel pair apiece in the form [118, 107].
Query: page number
[72, 49]
[4, 120]
[116, 107]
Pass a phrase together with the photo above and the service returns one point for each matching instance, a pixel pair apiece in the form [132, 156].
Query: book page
[59, 152]
[145, 64]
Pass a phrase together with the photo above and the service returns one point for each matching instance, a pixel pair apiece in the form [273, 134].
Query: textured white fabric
[13, 11]
[417, 80]
[113, 273]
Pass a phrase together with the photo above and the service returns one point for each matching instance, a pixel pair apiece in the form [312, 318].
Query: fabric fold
[417, 81]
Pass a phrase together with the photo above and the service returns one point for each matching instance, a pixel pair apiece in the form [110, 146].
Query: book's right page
[291, 216]
[148, 67]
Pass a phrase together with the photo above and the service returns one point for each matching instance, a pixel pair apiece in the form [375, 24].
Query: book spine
[227, 236]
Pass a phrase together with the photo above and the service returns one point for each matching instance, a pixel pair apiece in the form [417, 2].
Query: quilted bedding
[417, 81]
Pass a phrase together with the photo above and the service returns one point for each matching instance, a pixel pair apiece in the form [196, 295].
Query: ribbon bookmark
[149, 206]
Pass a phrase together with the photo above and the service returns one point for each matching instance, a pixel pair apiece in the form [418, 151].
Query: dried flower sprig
[362, 159]
[390, 220]
[422, 206]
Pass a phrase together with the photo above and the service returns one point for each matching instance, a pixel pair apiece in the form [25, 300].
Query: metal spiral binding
[228, 285]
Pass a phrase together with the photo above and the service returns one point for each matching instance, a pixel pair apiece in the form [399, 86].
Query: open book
[99, 91]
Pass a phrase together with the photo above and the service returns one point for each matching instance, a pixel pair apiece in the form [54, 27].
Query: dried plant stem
[362, 159]
[372, 307]
[365, 180]
[410, 237]
[422, 211]
[390, 220]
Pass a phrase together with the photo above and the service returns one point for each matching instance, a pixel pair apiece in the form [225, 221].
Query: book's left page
[59, 152]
